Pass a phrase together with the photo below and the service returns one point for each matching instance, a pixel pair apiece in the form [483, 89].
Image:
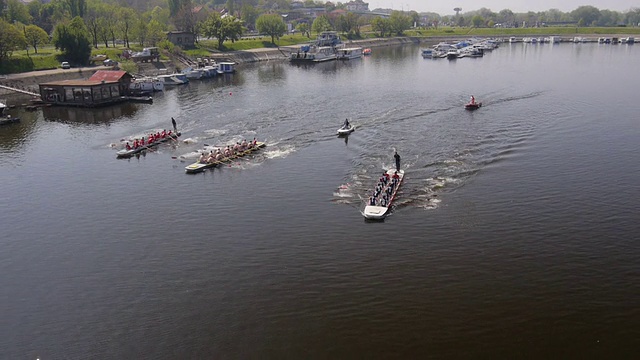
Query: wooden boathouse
[104, 87]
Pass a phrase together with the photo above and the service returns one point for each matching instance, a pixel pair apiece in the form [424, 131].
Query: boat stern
[373, 212]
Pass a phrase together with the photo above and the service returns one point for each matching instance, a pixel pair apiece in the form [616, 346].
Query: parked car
[110, 62]
[65, 65]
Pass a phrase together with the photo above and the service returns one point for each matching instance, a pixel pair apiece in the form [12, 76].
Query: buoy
[230, 93]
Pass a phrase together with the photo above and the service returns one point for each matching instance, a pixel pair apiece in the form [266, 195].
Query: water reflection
[86, 116]
[15, 134]
[272, 71]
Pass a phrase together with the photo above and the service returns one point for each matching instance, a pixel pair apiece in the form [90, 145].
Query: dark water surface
[516, 233]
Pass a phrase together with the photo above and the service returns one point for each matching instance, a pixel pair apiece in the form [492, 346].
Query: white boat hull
[346, 131]
[376, 212]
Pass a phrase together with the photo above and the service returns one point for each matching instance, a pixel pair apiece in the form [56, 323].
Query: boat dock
[26, 92]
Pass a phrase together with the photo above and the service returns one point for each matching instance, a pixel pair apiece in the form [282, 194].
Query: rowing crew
[150, 140]
[385, 187]
[228, 151]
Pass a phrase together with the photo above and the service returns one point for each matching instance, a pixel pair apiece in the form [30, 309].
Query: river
[515, 233]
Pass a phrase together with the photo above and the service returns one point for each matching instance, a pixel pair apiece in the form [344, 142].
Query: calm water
[515, 234]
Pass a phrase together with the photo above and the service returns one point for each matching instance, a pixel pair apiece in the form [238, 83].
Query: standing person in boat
[473, 100]
[175, 127]
[346, 124]
[397, 157]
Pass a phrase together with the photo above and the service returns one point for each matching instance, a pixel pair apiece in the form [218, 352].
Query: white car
[65, 65]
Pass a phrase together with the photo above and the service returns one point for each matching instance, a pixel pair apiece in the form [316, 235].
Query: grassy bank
[49, 58]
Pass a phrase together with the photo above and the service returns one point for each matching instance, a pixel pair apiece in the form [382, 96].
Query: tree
[92, 23]
[587, 13]
[381, 26]
[399, 22]
[249, 14]
[303, 28]
[10, 39]
[126, 23]
[17, 12]
[348, 23]
[320, 24]
[155, 33]
[76, 7]
[72, 39]
[141, 30]
[477, 21]
[227, 28]
[35, 36]
[272, 25]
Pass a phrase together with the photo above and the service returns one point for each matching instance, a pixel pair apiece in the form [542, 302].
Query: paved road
[29, 74]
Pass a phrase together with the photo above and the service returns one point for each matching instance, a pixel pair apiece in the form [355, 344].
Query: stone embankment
[282, 53]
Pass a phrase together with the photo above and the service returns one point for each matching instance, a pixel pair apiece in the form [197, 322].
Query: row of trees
[582, 16]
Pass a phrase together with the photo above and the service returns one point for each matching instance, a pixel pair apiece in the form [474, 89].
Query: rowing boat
[378, 212]
[198, 166]
[346, 130]
[124, 153]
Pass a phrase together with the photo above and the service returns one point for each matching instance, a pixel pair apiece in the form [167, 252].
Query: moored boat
[199, 166]
[126, 153]
[349, 53]
[226, 67]
[173, 79]
[379, 208]
[5, 118]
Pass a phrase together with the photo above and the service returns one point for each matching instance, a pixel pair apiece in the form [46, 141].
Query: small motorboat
[473, 106]
[346, 130]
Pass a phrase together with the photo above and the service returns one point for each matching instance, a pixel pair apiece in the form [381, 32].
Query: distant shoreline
[31, 80]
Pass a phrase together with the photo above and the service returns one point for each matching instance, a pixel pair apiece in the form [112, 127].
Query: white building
[357, 5]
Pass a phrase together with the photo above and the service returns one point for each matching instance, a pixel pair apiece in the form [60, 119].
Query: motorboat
[312, 53]
[146, 84]
[473, 106]
[346, 130]
[226, 67]
[453, 54]
[173, 79]
[325, 48]
[349, 53]
[4, 117]
[428, 53]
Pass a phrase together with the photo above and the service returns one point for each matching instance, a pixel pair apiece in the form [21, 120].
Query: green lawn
[48, 57]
